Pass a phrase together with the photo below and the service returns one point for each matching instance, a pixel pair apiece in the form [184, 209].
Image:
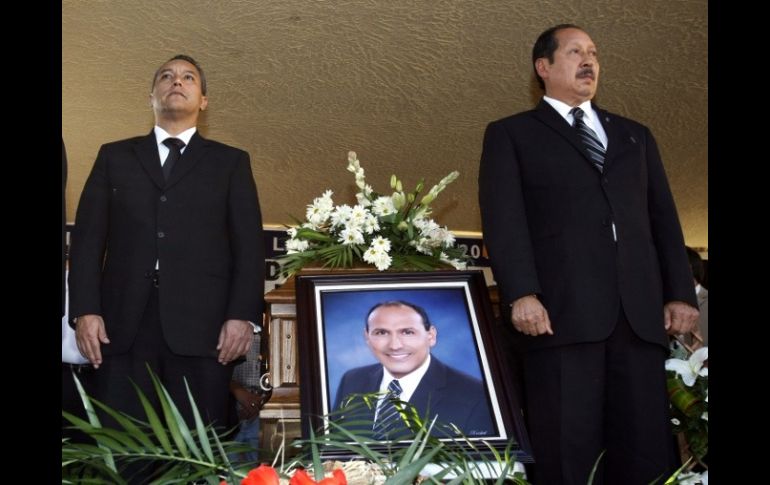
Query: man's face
[398, 339]
[177, 91]
[574, 75]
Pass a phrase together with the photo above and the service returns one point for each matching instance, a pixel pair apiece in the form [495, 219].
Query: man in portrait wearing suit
[400, 335]
[588, 253]
[167, 260]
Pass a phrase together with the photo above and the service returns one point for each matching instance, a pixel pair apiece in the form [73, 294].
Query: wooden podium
[280, 418]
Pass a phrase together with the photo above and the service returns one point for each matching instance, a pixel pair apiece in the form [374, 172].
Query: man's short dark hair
[696, 264]
[182, 57]
[545, 45]
[394, 303]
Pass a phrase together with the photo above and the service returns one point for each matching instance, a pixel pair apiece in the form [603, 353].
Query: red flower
[301, 478]
[262, 475]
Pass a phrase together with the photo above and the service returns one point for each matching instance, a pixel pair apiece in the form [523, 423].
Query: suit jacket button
[163, 198]
[161, 234]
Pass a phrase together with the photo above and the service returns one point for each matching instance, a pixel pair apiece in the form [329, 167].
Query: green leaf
[85, 463]
[313, 235]
[199, 426]
[318, 470]
[595, 467]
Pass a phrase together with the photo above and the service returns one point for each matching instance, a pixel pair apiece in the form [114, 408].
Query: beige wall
[408, 84]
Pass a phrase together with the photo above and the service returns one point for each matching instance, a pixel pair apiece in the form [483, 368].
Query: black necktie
[589, 138]
[175, 146]
[387, 413]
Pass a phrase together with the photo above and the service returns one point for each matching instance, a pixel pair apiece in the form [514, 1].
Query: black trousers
[585, 398]
[208, 380]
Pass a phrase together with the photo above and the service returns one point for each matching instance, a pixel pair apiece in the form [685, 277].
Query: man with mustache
[588, 253]
[167, 259]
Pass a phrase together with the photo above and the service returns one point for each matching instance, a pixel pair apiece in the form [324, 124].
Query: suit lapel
[191, 156]
[424, 397]
[545, 113]
[373, 380]
[147, 153]
[619, 139]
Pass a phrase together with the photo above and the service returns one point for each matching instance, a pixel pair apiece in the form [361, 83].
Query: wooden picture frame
[332, 314]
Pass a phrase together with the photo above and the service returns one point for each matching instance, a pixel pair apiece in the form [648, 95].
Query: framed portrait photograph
[424, 338]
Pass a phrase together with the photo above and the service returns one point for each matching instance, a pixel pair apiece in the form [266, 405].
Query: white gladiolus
[362, 199]
[376, 229]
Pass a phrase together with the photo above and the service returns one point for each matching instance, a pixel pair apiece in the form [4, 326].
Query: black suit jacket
[547, 218]
[203, 226]
[451, 395]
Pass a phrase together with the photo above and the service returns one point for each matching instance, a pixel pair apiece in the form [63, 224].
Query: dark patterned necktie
[589, 138]
[387, 413]
[175, 146]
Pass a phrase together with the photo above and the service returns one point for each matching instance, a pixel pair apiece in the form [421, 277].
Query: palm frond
[461, 461]
[177, 453]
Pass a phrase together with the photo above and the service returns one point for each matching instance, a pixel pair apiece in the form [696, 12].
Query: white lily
[690, 369]
[691, 478]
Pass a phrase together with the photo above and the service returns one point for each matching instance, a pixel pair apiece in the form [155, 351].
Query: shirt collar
[185, 136]
[564, 109]
[408, 383]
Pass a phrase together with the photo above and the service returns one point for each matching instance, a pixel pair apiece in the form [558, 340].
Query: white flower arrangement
[388, 231]
[688, 391]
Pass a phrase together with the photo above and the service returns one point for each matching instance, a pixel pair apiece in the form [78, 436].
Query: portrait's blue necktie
[387, 413]
[589, 138]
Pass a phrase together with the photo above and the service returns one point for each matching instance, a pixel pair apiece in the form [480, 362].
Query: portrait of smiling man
[400, 335]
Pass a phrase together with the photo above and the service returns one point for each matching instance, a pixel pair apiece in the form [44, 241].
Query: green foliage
[184, 455]
[462, 461]
[180, 454]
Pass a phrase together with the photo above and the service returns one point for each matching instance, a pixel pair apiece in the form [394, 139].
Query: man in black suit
[400, 335]
[167, 260]
[588, 253]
